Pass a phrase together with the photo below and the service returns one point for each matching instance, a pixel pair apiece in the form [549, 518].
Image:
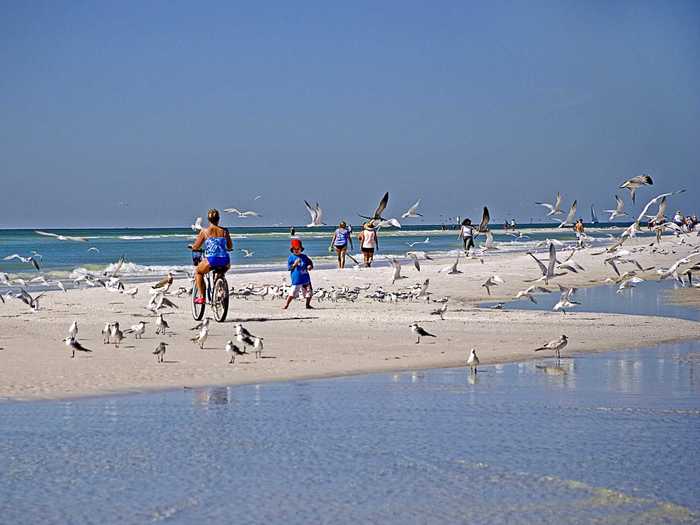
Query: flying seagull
[569, 221]
[636, 182]
[554, 209]
[619, 209]
[242, 214]
[316, 213]
[377, 215]
[411, 212]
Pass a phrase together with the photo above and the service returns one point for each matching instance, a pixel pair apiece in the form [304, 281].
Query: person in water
[217, 243]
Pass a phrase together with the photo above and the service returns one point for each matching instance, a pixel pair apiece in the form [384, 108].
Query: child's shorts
[305, 289]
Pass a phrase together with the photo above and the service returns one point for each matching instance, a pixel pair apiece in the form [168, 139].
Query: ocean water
[604, 438]
[155, 251]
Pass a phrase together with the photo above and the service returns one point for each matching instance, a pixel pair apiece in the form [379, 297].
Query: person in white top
[369, 242]
[466, 233]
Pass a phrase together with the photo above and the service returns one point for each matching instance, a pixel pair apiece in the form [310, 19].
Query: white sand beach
[335, 338]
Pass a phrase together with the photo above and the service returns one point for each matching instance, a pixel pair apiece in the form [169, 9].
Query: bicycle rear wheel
[197, 309]
[219, 301]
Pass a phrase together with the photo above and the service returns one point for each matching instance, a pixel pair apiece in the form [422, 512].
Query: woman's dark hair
[213, 216]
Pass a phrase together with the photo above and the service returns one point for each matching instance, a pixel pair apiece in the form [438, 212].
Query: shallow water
[647, 298]
[607, 437]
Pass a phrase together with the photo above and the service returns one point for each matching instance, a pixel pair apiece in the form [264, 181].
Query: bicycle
[215, 292]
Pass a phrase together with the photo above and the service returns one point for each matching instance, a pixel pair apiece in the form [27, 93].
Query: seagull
[412, 244]
[159, 352]
[74, 345]
[529, 291]
[569, 221]
[60, 237]
[258, 346]
[547, 271]
[377, 215]
[440, 311]
[197, 224]
[138, 329]
[247, 253]
[316, 213]
[452, 269]
[162, 325]
[414, 257]
[386, 223]
[73, 330]
[106, 331]
[660, 214]
[494, 280]
[115, 334]
[166, 281]
[557, 345]
[32, 302]
[618, 211]
[233, 350]
[202, 337]
[489, 244]
[132, 292]
[554, 209]
[61, 287]
[566, 300]
[93, 249]
[636, 182]
[396, 275]
[473, 361]
[28, 260]
[420, 332]
[629, 283]
[242, 214]
[411, 212]
[484, 224]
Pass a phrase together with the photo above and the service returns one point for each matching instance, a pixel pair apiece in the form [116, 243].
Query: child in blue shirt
[299, 265]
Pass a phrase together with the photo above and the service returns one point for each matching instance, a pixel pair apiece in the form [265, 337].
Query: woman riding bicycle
[217, 243]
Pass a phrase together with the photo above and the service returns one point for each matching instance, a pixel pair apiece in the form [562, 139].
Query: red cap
[296, 243]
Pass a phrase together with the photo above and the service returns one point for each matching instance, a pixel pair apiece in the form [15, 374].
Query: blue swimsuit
[215, 252]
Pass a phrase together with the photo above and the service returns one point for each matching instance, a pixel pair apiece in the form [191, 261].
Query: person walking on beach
[217, 243]
[466, 233]
[341, 239]
[369, 242]
[579, 229]
[299, 265]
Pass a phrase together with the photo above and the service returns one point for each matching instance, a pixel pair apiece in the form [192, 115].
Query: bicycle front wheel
[197, 309]
[219, 301]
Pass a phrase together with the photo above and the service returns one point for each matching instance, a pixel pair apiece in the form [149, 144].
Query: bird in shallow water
[557, 345]
[473, 361]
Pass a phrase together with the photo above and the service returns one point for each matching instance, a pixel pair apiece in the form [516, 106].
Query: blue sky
[175, 107]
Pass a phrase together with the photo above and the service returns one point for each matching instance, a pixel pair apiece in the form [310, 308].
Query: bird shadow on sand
[170, 361]
[265, 319]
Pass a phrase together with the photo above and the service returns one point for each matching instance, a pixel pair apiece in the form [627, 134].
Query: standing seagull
[106, 331]
[618, 211]
[258, 346]
[116, 334]
[316, 213]
[473, 360]
[73, 330]
[202, 337]
[138, 329]
[159, 352]
[162, 325]
[557, 345]
[233, 350]
[440, 311]
[636, 182]
[420, 332]
[554, 209]
[74, 345]
[411, 213]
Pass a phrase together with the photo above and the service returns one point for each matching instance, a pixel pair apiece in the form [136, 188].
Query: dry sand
[333, 339]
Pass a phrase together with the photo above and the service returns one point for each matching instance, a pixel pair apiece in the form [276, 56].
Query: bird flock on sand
[627, 271]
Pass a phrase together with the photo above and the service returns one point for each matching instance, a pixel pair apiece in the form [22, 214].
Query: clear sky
[170, 108]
